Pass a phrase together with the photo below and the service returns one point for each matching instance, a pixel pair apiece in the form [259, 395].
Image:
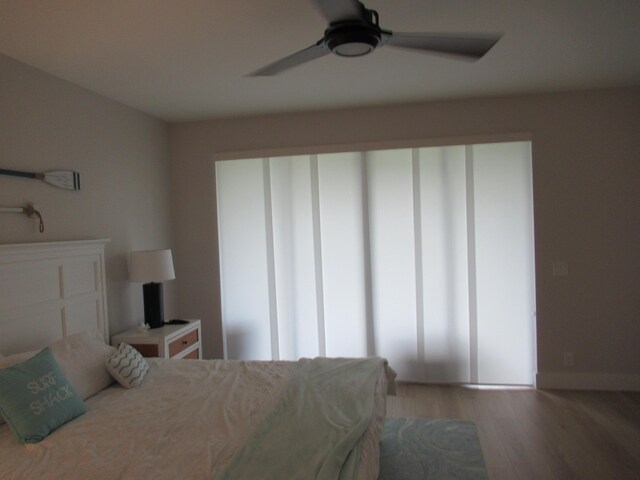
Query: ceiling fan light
[353, 49]
[350, 41]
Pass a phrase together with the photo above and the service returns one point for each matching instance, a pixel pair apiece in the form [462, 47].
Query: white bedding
[186, 421]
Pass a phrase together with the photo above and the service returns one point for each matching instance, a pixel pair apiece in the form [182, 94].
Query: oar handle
[17, 173]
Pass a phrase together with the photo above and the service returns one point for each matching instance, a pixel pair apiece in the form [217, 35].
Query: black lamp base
[153, 310]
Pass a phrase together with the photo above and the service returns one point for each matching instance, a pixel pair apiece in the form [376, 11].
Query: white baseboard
[588, 381]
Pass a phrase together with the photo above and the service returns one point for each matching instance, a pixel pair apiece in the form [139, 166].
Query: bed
[188, 418]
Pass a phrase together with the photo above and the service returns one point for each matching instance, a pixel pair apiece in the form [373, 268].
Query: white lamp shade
[151, 266]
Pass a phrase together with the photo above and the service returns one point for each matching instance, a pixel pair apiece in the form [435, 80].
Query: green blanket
[315, 430]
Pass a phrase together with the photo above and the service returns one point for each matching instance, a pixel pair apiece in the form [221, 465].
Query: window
[423, 256]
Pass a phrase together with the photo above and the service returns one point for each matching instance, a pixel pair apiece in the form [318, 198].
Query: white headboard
[51, 290]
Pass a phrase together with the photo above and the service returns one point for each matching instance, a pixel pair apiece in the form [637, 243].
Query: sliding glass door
[423, 256]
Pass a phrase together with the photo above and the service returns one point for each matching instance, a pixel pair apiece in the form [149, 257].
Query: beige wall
[586, 162]
[122, 156]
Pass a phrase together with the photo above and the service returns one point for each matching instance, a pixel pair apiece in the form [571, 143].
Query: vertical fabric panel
[294, 253]
[366, 256]
[417, 245]
[271, 269]
[393, 259]
[243, 259]
[444, 254]
[341, 218]
[471, 264]
[504, 262]
[317, 253]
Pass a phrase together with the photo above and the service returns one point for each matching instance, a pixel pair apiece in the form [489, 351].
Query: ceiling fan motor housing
[352, 39]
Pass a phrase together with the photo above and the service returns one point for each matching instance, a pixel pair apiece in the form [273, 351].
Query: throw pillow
[17, 358]
[81, 357]
[36, 398]
[127, 366]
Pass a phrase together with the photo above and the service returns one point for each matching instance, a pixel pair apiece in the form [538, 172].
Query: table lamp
[151, 267]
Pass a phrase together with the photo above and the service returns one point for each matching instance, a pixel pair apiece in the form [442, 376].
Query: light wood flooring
[538, 434]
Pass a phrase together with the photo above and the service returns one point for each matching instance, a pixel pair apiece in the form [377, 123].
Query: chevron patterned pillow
[127, 366]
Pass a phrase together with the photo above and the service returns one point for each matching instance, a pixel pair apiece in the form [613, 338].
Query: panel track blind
[423, 256]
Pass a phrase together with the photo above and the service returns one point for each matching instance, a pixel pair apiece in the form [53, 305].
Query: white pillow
[6, 362]
[127, 366]
[81, 358]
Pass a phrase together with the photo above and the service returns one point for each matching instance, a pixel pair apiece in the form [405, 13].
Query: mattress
[187, 420]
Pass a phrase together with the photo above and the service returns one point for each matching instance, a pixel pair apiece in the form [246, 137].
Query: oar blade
[66, 179]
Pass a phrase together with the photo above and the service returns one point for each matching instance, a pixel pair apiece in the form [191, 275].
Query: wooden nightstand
[170, 341]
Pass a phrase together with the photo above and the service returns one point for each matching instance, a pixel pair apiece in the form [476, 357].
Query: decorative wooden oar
[58, 178]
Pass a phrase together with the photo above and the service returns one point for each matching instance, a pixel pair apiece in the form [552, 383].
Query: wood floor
[538, 434]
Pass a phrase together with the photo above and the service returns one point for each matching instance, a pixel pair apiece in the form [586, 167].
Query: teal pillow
[36, 397]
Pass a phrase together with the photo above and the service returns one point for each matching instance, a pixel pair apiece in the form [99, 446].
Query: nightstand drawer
[194, 355]
[182, 343]
[146, 350]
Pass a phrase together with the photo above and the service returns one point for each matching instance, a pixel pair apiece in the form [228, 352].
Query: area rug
[417, 449]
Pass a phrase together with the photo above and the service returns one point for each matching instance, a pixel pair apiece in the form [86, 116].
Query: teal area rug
[417, 449]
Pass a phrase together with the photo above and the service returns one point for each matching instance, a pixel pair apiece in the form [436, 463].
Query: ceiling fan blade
[310, 53]
[340, 10]
[472, 47]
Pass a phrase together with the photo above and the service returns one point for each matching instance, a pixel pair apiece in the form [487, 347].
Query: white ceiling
[187, 59]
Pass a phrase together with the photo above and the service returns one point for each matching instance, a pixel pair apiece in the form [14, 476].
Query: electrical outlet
[568, 359]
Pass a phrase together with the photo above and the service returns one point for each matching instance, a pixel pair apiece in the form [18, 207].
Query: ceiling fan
[354, 31]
